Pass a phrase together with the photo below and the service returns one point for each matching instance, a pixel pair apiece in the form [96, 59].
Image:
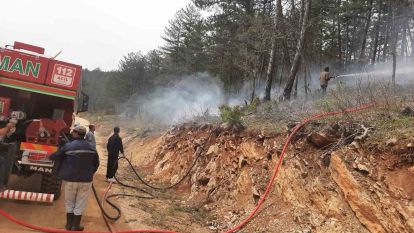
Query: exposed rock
[307, 197]
[364, 134]
[244, 182]
[174, 179]
[213, 149]
[145, 133]
[205, 126]
[251, 151]
[320, 139]
[198, 142]
[242, 162]
[391, 142]
[306, 230]
[291, 125]
[355, 145]
[203, 181]
[216, 131]
[256, 194]
[361, 168]
[225, 126]
[213, 228]
[407, 111]
[359, 201]
[372, 203]
[164, 163]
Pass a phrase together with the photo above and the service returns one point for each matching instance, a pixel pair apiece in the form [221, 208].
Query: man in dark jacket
[79, 162]
[114, 146]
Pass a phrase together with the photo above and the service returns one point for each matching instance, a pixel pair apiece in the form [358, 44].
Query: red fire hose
[53, 230]
[250, 216]
[276, 169]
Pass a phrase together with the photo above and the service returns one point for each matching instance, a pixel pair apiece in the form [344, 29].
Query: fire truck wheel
[51, 184]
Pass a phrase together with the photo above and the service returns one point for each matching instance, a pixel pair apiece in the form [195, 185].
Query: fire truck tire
[51, 184]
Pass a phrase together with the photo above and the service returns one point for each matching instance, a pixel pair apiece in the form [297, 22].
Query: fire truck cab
[38, 98]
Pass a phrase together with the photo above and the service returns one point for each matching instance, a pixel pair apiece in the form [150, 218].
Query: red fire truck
[38, 97]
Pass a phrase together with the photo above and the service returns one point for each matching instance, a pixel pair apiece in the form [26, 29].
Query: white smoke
[193, 95]
[200, 94]
[380, 72]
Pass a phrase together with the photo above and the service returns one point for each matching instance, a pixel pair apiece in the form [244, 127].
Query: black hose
[117, 209]
[152, 186]
[148, 196]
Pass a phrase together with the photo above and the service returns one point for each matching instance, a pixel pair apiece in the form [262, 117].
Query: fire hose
[258, 205]
[149, 195]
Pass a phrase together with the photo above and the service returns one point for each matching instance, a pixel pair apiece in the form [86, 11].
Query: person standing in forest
[114, 146]
[324, 79]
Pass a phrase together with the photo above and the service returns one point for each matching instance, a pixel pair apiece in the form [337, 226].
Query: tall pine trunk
[411, 37]
[407, 25]
[364, 36]
[387, 37]
[305, 76]
[339, 38]
[299, 51]
[347, 43]
[394, 44]
[404, 42]
[272, 59]
[295, 90]
[377, 26]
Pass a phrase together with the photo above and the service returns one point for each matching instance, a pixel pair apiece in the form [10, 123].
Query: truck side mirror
[83, 103]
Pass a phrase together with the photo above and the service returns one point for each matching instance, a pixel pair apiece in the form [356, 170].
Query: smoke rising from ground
[201, 94]
[192, 96]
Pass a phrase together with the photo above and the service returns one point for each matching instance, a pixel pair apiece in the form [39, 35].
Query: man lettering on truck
[79, 163]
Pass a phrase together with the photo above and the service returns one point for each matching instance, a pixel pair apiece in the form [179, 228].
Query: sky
[90, 33]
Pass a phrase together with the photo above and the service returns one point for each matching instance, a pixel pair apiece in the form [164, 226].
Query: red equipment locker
[4, 106]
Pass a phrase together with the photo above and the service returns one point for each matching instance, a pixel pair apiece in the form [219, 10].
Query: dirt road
[53, 215]
[47, 215]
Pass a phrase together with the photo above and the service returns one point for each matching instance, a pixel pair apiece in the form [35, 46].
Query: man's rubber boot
[69, 219]
[76, 223]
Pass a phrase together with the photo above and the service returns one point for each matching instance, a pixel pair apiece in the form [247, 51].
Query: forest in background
[258, 45]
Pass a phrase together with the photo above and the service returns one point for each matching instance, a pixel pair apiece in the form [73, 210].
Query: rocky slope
[342, 184]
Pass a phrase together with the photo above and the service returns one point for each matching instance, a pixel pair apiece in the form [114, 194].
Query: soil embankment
[357, 188]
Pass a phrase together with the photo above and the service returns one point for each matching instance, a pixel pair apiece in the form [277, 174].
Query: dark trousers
[323, 87]
[2, 171]
[112, 166]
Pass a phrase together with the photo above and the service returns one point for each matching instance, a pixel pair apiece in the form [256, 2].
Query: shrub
[254, 104]
[231, 115]
[326, 105]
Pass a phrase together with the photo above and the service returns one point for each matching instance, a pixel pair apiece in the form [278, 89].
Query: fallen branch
[363, 135]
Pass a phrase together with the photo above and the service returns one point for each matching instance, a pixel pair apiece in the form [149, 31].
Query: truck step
[26, 196]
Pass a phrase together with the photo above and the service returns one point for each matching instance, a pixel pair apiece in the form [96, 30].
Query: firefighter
[79, 162]
[324, 79]
[2, 175]
[90, 136]
[114, 146]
